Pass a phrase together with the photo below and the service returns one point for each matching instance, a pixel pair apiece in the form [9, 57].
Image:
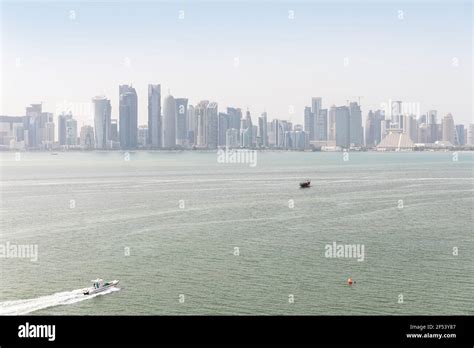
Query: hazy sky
[420, 55]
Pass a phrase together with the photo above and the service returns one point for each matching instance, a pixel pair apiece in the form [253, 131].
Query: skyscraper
[246, 131]
[223, 126]
[48, 133]
[277, 133]
[33, 114]
[62, 127]
[191, 125]
[385, 126]
[342, 126]
[309, 122]
[459, 135]
[142, 136]
[315, 107]
[273, 140]
[43, 134]
[410, 127]
[155, 140]
[432, 126]
[102, 112]
[201, 123]
[235, 115]
[182, 121]
[448, 128]
[232, 139]
[370, 129]
[288, 142]
[71, 132]
[128, 117]
[254, 135]
[373, 131]
[396, 114]
[281, 128]
[470, 134]
[355, 132]
[262, 129]
[169, 122]
[114, 134]
[212, 125]
[423, 133]
[322, 125]
[332, 123]
[299, 137]
[87, 137]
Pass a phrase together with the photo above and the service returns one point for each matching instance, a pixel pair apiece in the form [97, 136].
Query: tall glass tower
[154, 116]
[128, 117]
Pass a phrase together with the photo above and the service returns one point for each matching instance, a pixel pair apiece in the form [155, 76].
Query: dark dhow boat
[305, 184]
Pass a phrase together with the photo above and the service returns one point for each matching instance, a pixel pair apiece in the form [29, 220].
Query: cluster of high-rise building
[340, 126]
[173, 123]
[404, 130]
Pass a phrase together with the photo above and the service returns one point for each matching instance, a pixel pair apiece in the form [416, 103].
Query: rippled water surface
[86, 210]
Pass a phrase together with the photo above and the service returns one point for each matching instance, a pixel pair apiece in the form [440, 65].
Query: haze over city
[263, 56]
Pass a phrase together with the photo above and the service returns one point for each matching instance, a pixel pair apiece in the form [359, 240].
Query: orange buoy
[349, 281]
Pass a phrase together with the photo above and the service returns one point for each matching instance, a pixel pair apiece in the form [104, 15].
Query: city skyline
[400, 126]
[282, 54]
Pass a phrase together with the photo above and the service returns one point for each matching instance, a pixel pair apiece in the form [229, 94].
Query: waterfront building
[309, 122]
[142, 136]
[342, 127]
[102, 112]
[128, 117]
[316, 103]
[459, 138]
[169, 122]
[87, 137]
[62, 133]
[182, 122]
[212, 125]
[155, 130]
[448, 129]
[263, 130]
[71, 132]
[355, 124]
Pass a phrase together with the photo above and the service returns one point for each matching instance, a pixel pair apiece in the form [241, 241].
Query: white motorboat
[98, 285]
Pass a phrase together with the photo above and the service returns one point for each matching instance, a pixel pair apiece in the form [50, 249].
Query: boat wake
[20, 307]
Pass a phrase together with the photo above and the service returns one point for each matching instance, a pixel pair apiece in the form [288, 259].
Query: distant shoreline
[463, 149]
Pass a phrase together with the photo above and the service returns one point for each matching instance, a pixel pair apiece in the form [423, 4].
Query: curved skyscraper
[102, 111]
[169, 122]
